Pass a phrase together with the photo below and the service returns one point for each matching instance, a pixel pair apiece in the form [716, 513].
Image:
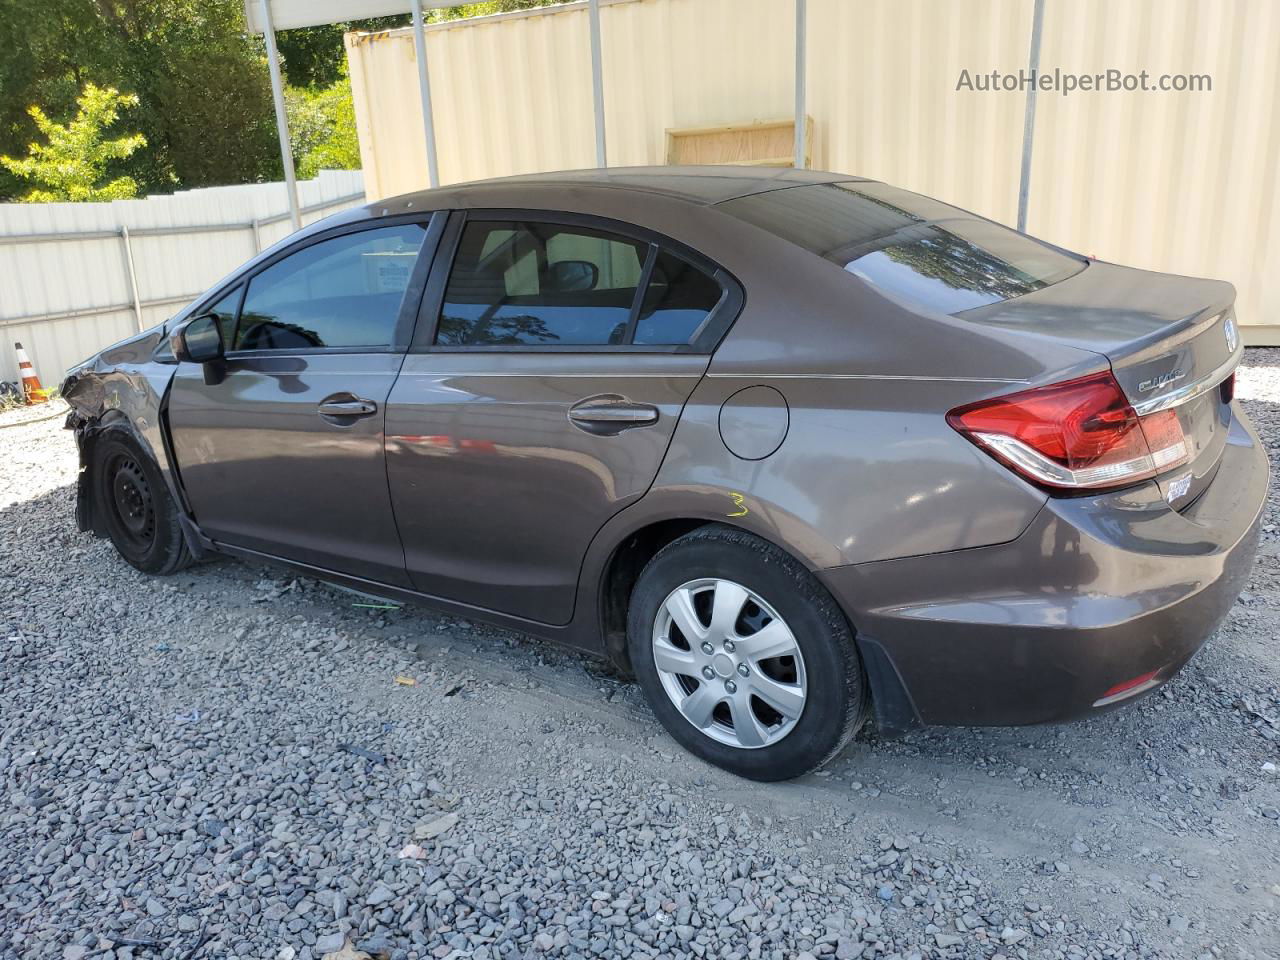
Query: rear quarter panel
[868, 470]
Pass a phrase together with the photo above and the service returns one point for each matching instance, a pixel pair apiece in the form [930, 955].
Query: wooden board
[769, 143]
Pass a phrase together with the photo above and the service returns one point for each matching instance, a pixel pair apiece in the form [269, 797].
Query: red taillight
[1079, 434]
[1228, 388]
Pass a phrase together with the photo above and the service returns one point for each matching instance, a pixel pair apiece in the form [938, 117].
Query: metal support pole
[282, 118]
[133, 278]
[257, 235]
[424, 92]
[1029, 116]
[798, 160]
[597, 81]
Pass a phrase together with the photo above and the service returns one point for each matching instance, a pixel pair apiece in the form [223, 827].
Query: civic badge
[1155, 383]
[1229, 331]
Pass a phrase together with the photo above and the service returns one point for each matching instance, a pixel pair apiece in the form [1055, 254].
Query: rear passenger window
[540, 284]
[678, 299]
[341, 292]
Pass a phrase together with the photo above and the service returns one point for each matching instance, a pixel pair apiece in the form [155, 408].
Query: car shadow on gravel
[1088, 762]
[244, 682]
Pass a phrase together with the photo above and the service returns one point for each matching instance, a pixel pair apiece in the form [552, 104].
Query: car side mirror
[199, 340]
[571, 276]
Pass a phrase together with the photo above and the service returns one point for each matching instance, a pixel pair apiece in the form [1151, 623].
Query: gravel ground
[226, 764]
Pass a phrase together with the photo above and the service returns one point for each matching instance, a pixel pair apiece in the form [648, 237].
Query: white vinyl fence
[75, 277]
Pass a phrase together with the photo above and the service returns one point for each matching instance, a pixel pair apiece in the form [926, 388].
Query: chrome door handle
[611, 415]
[353, 407]
[614, 413]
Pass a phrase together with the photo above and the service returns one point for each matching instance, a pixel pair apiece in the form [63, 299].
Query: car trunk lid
[1171, 341]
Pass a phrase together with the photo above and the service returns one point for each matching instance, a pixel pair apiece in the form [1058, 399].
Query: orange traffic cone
[30, 382]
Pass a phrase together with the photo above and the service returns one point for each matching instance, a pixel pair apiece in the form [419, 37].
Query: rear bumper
[1096, 592]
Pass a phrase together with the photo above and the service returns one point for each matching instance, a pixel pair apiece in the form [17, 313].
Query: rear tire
[139, 515]
[769, 686]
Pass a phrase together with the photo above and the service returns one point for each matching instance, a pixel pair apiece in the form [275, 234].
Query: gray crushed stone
[223, 764]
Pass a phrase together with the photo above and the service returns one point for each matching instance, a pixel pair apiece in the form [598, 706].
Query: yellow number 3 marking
[738, 499]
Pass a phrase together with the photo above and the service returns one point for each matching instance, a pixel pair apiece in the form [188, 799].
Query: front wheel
[140, 516]
[745, 658]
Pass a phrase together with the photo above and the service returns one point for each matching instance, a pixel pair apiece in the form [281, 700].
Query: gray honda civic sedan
[797, 450]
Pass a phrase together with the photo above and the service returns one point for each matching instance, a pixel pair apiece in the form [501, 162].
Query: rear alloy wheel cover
[132, 504]
[729, 663]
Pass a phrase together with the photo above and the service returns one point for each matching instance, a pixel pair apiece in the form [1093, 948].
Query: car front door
[282, 453]
[552, 359]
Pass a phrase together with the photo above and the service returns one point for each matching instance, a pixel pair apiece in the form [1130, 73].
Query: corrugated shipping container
[1185, 182]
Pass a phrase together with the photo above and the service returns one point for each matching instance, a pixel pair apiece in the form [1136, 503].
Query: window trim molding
[705, 339]
[206, 309]
[642, 289]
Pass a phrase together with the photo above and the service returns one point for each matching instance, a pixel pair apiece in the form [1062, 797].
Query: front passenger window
[342, 292]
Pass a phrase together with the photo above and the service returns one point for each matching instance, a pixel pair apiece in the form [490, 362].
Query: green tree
[45, 62]
[73, 163]
[322, 128]
[204, 97]
[314, 57]
[202, 86]
[488, 8]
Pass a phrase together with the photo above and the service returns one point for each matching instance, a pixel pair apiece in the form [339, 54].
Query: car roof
[700, 185]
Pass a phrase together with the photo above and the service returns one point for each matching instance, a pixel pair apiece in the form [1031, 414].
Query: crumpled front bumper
[1097, 591]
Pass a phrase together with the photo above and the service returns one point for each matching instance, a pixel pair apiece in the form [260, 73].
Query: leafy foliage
[204, 99]
[322, 128]
[203, 92]
[313, 56]
[205, 95]
[488, 8]
[73, 163]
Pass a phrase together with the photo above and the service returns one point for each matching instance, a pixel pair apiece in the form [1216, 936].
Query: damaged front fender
[121, 388]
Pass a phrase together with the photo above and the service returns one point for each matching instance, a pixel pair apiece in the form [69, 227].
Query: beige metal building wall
[881, 90]
[1186, 182]
[1183, 182]
[512, 93]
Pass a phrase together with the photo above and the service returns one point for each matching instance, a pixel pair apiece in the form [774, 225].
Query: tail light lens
[1076, 435]
[1228, 388]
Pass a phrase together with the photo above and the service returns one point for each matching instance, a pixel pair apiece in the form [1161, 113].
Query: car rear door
[553, 357]
[283, 453]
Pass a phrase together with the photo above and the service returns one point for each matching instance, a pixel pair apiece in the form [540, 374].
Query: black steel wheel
[135, 507]
[131, 503]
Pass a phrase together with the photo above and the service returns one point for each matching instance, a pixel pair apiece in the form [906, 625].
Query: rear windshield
[919, 249]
